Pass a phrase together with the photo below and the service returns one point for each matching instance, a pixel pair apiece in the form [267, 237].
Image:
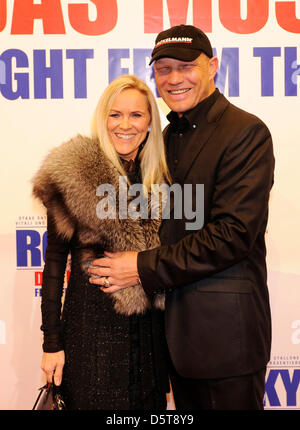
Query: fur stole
[67, 184]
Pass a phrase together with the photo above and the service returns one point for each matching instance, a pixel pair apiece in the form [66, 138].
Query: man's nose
[176, 77]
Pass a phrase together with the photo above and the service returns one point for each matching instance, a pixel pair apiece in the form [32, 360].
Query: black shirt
[181, 129]
[183, 133]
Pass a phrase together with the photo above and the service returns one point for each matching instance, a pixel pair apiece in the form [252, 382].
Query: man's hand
[117, 271]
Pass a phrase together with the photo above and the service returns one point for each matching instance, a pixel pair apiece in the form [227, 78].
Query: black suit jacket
[217, 317]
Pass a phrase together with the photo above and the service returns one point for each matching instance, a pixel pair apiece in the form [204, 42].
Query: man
[217, 316]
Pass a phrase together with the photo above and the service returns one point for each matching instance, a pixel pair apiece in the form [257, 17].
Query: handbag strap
[38, 397]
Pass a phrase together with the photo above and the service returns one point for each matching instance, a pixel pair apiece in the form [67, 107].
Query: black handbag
[49, 399]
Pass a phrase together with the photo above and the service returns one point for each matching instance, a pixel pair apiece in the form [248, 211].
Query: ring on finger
[106, 282]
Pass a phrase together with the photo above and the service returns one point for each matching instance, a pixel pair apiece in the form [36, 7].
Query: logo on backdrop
[283, 377]
[282, 382]
[31, 243]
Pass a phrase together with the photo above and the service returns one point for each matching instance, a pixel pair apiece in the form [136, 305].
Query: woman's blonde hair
[154, 168]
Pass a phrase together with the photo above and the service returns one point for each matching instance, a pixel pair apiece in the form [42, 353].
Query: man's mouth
[176, 92]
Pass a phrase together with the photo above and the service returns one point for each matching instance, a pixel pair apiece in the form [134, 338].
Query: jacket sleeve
[238, 215]
[52, 287]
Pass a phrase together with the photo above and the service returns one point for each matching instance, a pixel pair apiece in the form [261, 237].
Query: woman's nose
[125, 122]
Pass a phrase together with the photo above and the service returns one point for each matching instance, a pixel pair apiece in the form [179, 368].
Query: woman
[108, 349]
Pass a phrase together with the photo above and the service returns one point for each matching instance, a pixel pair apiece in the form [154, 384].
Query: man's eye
[186, 67]
[163, 70]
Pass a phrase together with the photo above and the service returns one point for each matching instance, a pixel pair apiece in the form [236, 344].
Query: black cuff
[52, 343]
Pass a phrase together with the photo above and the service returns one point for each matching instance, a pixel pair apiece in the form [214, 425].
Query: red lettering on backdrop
[25, 12]
[107, 16]
[202, 11]
[2, 14]
[257, 15]
[153, 16]
[286, 16]
[38, 278]
[177, 9]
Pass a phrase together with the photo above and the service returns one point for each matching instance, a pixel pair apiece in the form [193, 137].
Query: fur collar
[66, 183]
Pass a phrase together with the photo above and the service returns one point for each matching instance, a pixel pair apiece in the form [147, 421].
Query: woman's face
[128, 122]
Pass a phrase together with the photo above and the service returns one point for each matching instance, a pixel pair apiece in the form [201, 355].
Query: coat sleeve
[52, 287]
[238, 216]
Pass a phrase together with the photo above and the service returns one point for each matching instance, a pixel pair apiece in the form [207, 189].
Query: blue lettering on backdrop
[229, 63]
[290, 384]
[22, 79]
[140, 59]
[228, 68]
[80, 77]
[292, 69]
[267, 68]
[140, 65]
[54, 72]
[114, 63]
[14, 85]
[30, 243]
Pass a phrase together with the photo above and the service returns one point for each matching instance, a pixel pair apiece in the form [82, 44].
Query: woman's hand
[52, 365]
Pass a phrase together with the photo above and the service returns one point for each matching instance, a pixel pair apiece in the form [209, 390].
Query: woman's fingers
[52, 365]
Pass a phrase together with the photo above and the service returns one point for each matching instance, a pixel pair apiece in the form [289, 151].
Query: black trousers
[236, 393]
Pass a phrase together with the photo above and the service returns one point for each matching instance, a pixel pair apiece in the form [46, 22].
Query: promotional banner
[56, 58]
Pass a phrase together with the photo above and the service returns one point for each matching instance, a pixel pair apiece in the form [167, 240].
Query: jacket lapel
[206, 127]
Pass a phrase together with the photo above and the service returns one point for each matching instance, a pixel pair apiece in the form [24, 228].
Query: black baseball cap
[183, 42]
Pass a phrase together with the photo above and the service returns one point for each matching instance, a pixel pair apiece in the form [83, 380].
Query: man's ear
[213, 67]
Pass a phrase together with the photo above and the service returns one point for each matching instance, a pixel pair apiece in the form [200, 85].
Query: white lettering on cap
[174, 40]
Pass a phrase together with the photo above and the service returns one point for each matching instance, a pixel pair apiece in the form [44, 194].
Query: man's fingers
[111, 289]
[101, 271]
[106, 284]
[102, 262]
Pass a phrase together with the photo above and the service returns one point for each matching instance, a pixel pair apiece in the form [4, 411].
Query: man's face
[184, 84]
